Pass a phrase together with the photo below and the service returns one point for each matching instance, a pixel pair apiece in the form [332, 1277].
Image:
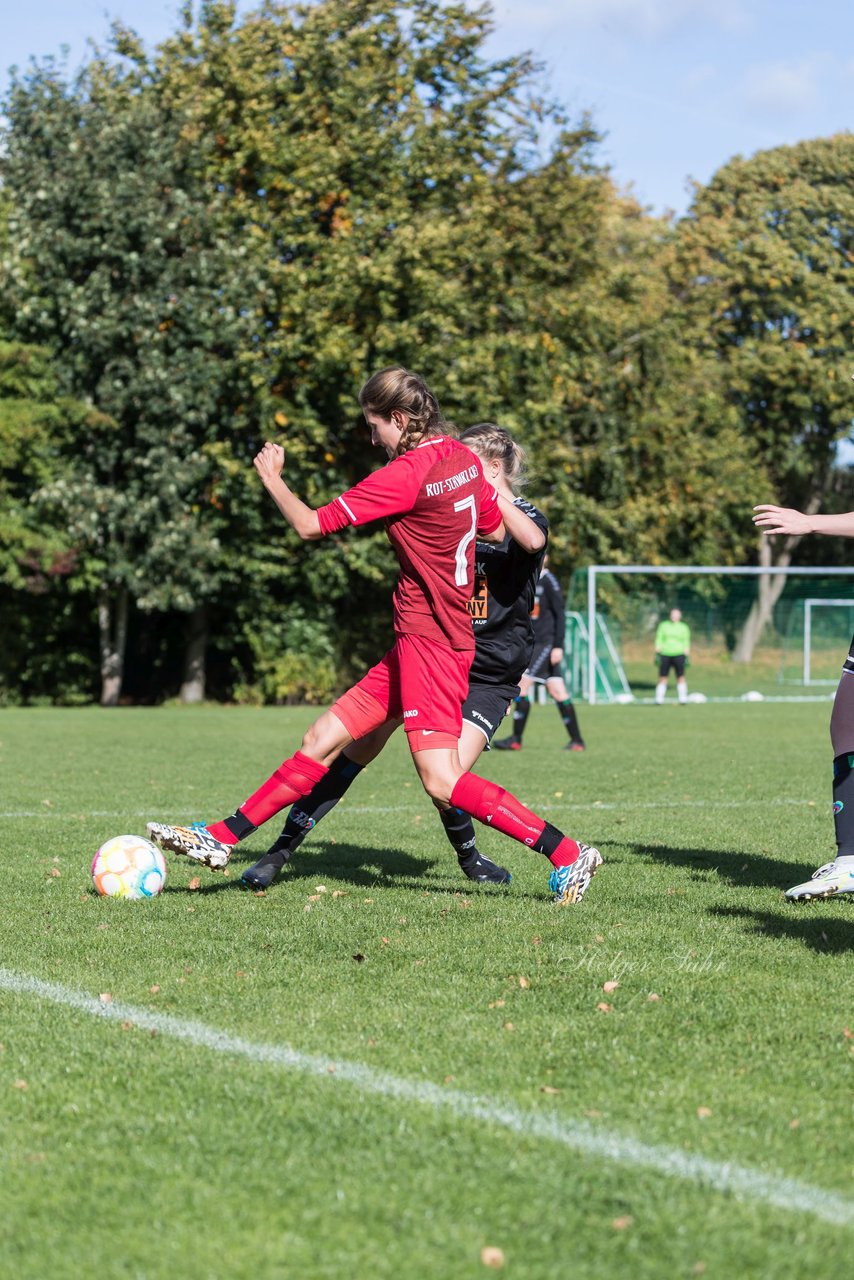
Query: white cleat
[828, 882]
[193, 842]
[569, 884]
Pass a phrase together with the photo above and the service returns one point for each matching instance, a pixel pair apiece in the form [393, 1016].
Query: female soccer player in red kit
[435, 501]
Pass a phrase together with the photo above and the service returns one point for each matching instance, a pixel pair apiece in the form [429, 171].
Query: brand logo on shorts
[407, 715]
[838, 806]
[301, 819]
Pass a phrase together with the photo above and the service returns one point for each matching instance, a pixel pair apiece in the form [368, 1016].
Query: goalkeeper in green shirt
[672, 646]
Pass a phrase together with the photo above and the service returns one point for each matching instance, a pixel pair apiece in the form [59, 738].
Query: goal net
[614, 611]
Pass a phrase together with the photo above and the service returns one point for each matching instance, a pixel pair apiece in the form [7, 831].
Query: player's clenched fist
[270, 461]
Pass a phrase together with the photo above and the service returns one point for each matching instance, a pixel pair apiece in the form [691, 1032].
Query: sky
[677, 87]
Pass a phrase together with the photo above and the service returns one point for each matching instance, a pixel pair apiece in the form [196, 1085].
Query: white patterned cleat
[829, 881]
[193, 842]
[569, 884]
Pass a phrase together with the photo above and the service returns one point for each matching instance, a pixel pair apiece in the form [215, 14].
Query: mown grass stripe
[590, 806]
[788, 1194]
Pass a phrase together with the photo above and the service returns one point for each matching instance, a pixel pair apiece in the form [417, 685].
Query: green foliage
[293, 661]
[765, 260]
[217, 242]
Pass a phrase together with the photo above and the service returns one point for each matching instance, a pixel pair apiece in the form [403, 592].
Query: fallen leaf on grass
[795, 1124]
[698, 1268]
[548, 1088]
[524, 983]
[339, 893]
[20, 1084]
[154, 988]
[536, 940]
[367, 899]
[610, 986]
[599, 938]
[703, 1113]
[622, 1224]
[449, 1079]
[320, 888]
[126, 1025]
[849, 1035]
[491, 1256]
[603, 1007]
[314, 897]
[105, 997]
[497, 1004]
[195, 883]
[508, 1026]
[54, 873]
[592, 1114]
[653, 996]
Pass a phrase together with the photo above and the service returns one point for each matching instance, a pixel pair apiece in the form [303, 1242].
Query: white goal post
[754, 571]
[816, 602]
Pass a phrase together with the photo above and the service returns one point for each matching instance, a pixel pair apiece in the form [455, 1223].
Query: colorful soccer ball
[129, 867]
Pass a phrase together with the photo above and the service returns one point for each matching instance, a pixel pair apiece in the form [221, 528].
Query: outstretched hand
[270, 461]
[771, 519]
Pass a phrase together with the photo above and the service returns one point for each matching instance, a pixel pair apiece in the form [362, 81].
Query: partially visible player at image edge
[434, 499]
[505, 582]
[836, 877]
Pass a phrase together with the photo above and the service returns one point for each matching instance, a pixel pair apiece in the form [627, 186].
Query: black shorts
[676, 663]
[848, 664]
[486, 706]
[541, 667]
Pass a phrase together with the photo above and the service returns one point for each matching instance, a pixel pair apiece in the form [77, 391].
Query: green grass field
[379, 1070]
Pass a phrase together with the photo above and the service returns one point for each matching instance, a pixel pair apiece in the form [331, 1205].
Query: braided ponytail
[398, 389]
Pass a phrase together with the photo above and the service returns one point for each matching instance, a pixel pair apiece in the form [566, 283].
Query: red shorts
[421, 680]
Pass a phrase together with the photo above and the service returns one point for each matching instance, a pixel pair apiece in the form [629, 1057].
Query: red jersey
[435, 501]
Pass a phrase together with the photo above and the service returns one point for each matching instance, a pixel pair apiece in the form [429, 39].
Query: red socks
[292, 780]
[498, 808]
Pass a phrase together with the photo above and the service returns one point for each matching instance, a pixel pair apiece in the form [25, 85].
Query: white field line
[746, 1184]
[348, 808]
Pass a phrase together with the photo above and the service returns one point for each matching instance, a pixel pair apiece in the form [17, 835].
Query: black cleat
[575, 745]
[507, 744]
[263, 872]
[482, 870]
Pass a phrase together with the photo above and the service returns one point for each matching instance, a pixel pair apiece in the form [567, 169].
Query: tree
[121, 265]
[765, 257]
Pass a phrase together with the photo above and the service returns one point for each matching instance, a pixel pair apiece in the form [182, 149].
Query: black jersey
[505, 586]
[549, 613]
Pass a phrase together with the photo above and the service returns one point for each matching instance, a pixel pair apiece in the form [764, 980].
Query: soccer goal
[614, 610]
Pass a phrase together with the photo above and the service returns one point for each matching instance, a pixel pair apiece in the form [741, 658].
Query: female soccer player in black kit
[549, 620]
[506, 579]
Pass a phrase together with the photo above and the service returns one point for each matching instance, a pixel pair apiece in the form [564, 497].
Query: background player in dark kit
[549, 620]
